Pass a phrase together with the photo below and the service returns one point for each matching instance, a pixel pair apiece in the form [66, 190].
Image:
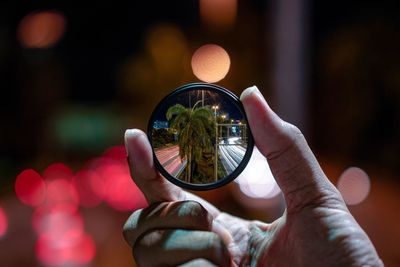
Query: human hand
[178, 227]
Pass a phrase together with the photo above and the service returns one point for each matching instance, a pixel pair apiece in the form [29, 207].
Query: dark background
[70, 102]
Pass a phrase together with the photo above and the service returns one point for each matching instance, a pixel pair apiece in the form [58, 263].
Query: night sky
[226, 105]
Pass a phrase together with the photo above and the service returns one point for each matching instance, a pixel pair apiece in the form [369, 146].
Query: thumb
[291, 160]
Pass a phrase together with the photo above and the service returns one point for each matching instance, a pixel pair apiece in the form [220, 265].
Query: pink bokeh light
[120, 192]
[79, 252]
[57, 196]
[3, 222]
[90, 188]
[57, 171]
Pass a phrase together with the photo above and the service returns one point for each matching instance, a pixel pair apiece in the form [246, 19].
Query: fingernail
[129, 134]
[249, 91]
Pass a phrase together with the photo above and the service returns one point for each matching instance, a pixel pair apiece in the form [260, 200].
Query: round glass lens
[200, 136]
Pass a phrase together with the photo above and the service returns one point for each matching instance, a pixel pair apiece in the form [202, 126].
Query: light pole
[215, 108]
[216, 153]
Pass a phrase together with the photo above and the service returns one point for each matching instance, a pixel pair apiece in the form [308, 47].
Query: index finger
[153, 185]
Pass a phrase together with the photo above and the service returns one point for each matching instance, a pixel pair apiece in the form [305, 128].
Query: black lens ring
[250, 141]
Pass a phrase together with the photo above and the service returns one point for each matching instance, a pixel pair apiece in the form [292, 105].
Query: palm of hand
[314, 236]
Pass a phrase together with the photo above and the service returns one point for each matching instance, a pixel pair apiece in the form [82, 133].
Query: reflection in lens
[199, 136]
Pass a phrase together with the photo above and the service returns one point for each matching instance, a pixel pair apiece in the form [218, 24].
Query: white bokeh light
[354, 185]
[256, 180]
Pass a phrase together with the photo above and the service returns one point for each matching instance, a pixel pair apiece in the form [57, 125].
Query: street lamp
[215, 108]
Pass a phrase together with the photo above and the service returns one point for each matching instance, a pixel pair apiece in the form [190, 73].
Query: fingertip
[248, 92]
[139, 153]
[131, 135]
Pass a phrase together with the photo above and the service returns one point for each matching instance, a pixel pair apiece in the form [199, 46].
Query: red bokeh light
[41, 29]
[90, 188]
[116, 152]
[3, 222]
[61, 192]
[57, 221]
[121, 193]
[57, 171]
[30, 188]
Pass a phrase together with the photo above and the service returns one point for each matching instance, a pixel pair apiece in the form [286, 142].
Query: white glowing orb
[256, 180]
[354, 185]
[210, 63]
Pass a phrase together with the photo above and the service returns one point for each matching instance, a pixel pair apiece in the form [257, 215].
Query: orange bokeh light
[210, 63]
[218, 14]
[41, 29]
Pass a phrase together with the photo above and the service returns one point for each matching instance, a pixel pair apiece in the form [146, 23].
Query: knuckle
[130, 226]
[292, 131]
[196, 212]
[214, 242]
[147, 243]
[217, 249]
[288, 139]
[194, 208]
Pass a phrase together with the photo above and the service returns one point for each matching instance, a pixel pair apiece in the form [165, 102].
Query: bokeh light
[57, 171]
[41, 29]
[354, 185]
[80, 250]
[56, 221]
[168, 48]
[120, 192]
[218, 14]
[256, 180]
[30, 188]
[210, 63]
[90, 188]
[61, 192]
[3, 222]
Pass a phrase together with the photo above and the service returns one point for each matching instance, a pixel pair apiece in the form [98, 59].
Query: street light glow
[210, 63]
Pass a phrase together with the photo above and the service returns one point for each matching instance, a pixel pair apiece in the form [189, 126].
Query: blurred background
[73, 78]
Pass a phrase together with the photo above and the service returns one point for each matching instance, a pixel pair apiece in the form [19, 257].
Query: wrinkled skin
[179, 228]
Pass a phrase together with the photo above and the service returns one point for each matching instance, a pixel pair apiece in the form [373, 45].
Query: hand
[179, 228]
